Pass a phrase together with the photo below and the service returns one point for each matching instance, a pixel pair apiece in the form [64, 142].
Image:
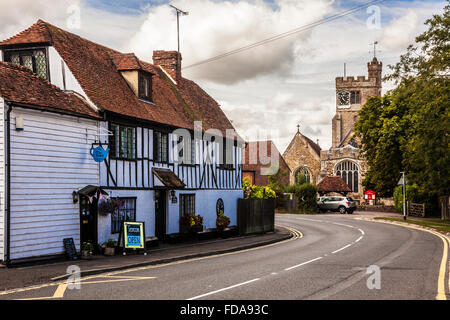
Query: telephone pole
[184, 13]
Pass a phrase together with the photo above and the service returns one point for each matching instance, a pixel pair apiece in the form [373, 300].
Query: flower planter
[110, 251]
[197, 228]
[86, 255]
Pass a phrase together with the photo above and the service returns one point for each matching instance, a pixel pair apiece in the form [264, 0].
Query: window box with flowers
[191, 223]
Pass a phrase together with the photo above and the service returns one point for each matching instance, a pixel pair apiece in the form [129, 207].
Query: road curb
[174, 259]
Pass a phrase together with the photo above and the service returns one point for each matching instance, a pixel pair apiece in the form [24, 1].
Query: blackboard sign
[134, 235]
[69, 247]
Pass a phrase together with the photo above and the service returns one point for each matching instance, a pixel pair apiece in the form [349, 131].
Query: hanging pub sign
[99, 154]
[134, 235]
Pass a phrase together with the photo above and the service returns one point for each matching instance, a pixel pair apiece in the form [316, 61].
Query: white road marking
[342, 248]
[359, 239]
[302, 264]
[224, 289]
[344, 225]
[362, 231]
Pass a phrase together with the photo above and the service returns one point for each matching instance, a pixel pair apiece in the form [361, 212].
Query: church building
[343, 158]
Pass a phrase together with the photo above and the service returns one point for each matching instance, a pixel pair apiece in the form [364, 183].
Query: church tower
[351, 95]
[343, 158]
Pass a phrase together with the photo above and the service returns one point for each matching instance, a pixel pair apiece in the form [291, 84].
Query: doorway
[160, 214]
[88, 221]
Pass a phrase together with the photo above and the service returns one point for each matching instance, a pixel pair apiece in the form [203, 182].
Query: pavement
[19, 277]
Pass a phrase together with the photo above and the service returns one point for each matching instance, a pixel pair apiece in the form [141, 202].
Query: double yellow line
[443, 272]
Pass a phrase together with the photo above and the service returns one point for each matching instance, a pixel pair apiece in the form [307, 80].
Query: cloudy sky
[267, 90]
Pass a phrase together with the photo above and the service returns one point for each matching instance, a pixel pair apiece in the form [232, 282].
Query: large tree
[408, 129]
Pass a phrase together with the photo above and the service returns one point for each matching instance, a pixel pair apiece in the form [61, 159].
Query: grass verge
[439, 225]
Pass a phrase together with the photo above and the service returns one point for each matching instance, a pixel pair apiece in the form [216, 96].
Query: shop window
[127, 212]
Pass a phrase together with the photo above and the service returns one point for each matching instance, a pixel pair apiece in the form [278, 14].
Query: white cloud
[402, 31]
[214, 28]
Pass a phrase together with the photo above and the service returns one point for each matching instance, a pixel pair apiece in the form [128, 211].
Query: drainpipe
[8, 185]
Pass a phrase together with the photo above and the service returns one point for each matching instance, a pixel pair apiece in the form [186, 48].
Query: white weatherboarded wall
[2, 180]
[49, 160]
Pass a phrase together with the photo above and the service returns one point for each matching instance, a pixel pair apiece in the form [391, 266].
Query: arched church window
[349, 172]
[302, 175]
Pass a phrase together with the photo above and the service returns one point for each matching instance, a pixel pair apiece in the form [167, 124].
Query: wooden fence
[416, 209]
[444, 204]
[256, 216]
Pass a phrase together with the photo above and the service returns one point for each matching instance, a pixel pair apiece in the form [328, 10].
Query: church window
[349, 172]
[355, 97]
[302, 175]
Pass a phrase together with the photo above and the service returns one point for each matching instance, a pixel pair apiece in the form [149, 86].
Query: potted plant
[222, 221]
[110, 247]
[191, 223]
[86, 250]
[198, 224]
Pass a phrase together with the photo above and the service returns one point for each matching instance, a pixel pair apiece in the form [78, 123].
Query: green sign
[134, 235]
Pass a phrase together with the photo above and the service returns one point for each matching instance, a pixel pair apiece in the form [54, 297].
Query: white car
[335, 203]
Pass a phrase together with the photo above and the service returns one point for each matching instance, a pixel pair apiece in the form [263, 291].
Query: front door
[160, 214]
[88, 221]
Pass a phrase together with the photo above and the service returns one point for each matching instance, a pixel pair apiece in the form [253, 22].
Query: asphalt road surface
[330, 259]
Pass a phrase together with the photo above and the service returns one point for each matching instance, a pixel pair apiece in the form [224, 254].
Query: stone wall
[299, 154]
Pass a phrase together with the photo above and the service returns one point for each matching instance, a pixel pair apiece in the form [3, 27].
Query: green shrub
[412, 194]
[257, 192]
[306, 194]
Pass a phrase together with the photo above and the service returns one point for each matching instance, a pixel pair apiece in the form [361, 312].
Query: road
[328, 260]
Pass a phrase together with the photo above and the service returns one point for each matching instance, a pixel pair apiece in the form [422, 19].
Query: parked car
[336, 204]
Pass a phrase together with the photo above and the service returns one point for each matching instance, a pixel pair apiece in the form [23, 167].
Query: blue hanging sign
[99, 154]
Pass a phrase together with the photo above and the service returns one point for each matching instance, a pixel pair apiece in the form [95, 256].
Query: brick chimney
[170, 61]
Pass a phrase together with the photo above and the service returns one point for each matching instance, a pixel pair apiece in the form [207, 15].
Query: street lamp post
[404, 194]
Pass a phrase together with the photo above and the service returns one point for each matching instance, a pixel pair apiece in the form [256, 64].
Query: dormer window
[33, 59]
[145, 86]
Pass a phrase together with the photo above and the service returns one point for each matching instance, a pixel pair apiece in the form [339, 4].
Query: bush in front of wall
[257, 192]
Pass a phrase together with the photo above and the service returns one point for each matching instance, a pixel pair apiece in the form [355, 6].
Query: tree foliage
[408, 128]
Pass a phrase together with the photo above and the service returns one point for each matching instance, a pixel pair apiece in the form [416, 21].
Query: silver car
[337, 204]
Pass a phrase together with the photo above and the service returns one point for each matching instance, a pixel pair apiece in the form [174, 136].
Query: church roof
[313, 145]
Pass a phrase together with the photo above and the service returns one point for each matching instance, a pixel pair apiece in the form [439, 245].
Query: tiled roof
[97, 70]
[19, 85]
[333, 184]
[37, 33]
